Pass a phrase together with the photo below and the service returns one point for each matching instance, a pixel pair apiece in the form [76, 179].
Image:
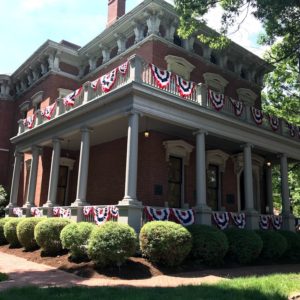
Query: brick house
[139, 117]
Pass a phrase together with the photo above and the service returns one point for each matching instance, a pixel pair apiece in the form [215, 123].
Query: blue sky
[26, 24]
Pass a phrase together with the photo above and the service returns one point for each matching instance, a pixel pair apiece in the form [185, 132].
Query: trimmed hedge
[244, 245]
[10, 232]
[165, 242]
[210, 245]
[3, 240]
[274, 244]
[293, 245]
[111, 244]
[75, 236]
[25, 233]
[47, 234]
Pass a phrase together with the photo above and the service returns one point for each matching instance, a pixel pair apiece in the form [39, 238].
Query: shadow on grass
[214, 292]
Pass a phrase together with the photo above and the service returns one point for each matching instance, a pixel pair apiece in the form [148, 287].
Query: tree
[280, 19]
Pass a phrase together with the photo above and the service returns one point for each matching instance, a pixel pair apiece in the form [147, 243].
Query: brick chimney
[116, 9]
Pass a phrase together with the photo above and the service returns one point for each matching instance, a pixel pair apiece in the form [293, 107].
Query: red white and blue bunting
[257, 115]
[239, 219]
[108, 80]
[114, 212]
[48, 111]
[276, 222]
[95, 84]
[69, 100]
[101, 215]
[238, 106]
[18, 212]
[29, 121]
[162, 77]
[61, 212]
[184, 217]
[292, 129]
[185, 88]
[123, 68]
[217, 99]
[264, 222]
[155, 214]
[35, 212]
[221, 219]
[274, 122]
[88, 210]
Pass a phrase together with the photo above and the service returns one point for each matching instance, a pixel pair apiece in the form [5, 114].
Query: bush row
[162, 242]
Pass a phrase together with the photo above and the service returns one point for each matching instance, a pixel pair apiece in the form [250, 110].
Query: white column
[54, 173]
[33, 176]
[248, 178]
[83, 168]
[16, 180]
[200, 170]
[286, 205]
[131, 159]
[269, 188]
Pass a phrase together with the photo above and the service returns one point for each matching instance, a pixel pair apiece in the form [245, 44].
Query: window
[230, 65]
[174, 181]
[212, 186]
[180, 66]
[213, 59]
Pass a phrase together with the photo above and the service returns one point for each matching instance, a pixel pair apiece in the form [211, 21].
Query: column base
[131, 214]
[203, 215]
[79, 202]
[130, 201]
[288, 222]
[252, 219]
[49, 204]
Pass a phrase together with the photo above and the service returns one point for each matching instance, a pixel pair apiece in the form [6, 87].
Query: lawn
[275, 287]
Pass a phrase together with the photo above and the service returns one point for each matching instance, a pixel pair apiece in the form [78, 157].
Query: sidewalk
[24, 273]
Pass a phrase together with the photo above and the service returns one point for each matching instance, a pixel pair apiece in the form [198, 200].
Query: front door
[62, 186]
[174, 181]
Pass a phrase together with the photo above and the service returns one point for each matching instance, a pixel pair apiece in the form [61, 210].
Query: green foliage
[111, 244]
[210, 245]
[47, 234]
[274, 244]
[3, 240]
[293, 245]
[10, 232]
[25, 232]
[244, 245]
[3, 277]
[75, 236]
[3, 201]
[165, 243]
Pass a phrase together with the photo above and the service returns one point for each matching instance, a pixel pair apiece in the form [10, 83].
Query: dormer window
[180, 66]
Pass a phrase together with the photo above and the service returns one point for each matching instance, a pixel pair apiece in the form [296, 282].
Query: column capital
[36, 148]
[282, 155]
[247, 145]
[200, 131]
[56, 140]
[18, 153]
[86, 129]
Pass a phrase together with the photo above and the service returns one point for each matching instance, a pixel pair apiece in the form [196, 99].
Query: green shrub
[3, 240]
[165, 242]
[244, 245]
[293, 245]
[47, 234]
[274, 244]
[75, 236]
[3, 201]
[210, 245]
[10, 231]
[25, 232]
[111, 244]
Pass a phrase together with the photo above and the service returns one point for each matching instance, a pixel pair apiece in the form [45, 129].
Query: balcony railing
[139, 71]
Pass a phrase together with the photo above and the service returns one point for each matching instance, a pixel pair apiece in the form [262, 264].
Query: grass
[275, 287]
[3, 277]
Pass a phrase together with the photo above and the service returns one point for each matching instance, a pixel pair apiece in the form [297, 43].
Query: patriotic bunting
[238, 106]
[108, 80]
[48, 111]
[292, 129]
[184, 217]
[217, 99]
[162, 77]
[257, 115]
[185, 88]
[36, 212]
[101, 215]
[276, 222]
[123, 68]
[239, 219]
[114, 212]
[274, 122]
[264, 221]
[29, 121]
[221, 219]
[18, 212]
[61, 212]
[69, 100]
[154, 214]
[88, 210]
[95, 83]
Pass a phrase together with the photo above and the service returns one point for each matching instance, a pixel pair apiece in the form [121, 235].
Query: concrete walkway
[22, 272]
